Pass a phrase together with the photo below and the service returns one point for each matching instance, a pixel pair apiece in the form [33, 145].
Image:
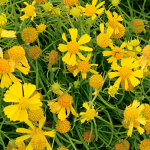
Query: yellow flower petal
[100, 4]
[93, 71]
[66, 58]
[73, 33]
[28, 89]
[14, 79]
[81, 56]
[64, 37]
[5, 81]
[126, 84]
[134, 81]
[29, 147]
[9, 97]
[72, 60]
[84, 39]
[110, 31]
[93, 16]
[73, 111]
[140, 129]
[62, 114]
[23, 130]
[102, 27]
[76, 71]
[99, 11]
[15, 116]
[138, 73]
[117, 83]
[135, 65]
[29, 123]
[85, 105]
[50, 133]
[22, 138]
[48, 146]
[23, 115]
[84, 75]
[84, 48]
[130, 129]
[113, 74]
[107, 53]
[94, 2]
[41, 122]
[62, 47]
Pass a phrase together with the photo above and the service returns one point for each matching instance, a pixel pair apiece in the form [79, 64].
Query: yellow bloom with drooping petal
[6, 75]
[116, 53]
[113, 21]
[133, 48]
[63, 104]
[145, 58]
[92, 10]
[23, 101]
[29, 11]
[84, 67]
[33, 132]
[89, 114]
[103, 39]
[125, 72]
[133, 117]
[73, 47]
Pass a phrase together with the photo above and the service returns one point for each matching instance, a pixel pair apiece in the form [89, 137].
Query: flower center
[125, 72]
[73, 47]
[146, 51]
[117, 53]
[66, 100]
[131, 113]
[35, 131]
[4, 66]
[113, 22]
[29, 10]
[90, 113]
[24, 103]
[90, 10]
[84, 66]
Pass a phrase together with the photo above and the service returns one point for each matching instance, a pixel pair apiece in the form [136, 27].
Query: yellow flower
[3, 19]
[89, 114]
[29, 34]
[112, 90]
[125, 72]
[41, 1]
[23, 101]
[133, 117]
[147, 127]
[145, 144]
[33, 132]
[71, 68]
[63, 104]
[5, 72]
[84, 67]
[17, 56]
[73, 47]
[53, 58]
[96, 81]
[146, 111]
[3, 1]
[138, 26]
[62, 148]
[70, 2]
[47, 6]
[7, 34]
[75, 11]
[29, 11]
[120, 146]
[115, 2]
[41, 27]
[103, 39]
[64, 126]
[55, 12]
[145, 59]
[92, 10]
[88, 137]
[130, 86]
[117, 53]
[113, 21]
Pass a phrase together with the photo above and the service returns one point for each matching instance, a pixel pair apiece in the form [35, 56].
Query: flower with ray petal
[89, 114]
[22, 99]
[73, 47]
[126, 73]
[92, 10]
[84, 67]
[29, 11]
[103, 39]
[6, 75]
[63, 104]
[33, 131]
[133, 117]
[117, 53]
[113, 21]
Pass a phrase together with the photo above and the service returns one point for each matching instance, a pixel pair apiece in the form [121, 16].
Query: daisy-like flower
[92, 10]
[115, 2]
[41, 27]
[6, 75]
[116, 53]
[125, 72]
[84, 67]
[120, 146]
[23, 101]
[29, 11]
[63, 104]
[113, 90]
[89, 114]
[113, 21]
[133, 117]
[138, 26]
[73, 47]
[145, 59]
[70, 2]
[103, 39]
[145, 144]
[35, 133]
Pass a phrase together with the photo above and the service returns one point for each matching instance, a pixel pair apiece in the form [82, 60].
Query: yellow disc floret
[40, 1]
[103, 40]
[84, 66]
[120, 146]
[130, 86]
[66, 100]
[64, 126]
[71, 68]
[86, 136]
[53, 57]
[4, 66]
[139, 25]
[96, 81]
[146, 111]
[90, 10]
[29, 35]
[147, 127]
[117, 52]
[145, 144]
[36, 115]
[38, 142]
[16, 53]
[70, 2]
[62, 148]
[146, 51]
[125, 72]
[34, 52]
[47, 6]
[73, 47]
[3, 19]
